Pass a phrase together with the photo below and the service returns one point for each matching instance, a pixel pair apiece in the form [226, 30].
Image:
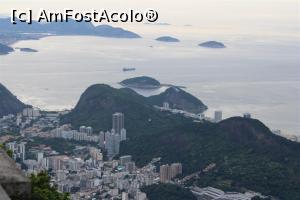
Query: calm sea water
[256, 74]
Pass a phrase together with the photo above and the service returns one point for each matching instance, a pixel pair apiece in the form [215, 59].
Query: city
[92, 170]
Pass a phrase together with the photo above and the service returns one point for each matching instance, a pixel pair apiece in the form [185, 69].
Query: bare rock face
[14, 183]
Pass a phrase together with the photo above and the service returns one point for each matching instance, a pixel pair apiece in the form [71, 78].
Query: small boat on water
[125, 69]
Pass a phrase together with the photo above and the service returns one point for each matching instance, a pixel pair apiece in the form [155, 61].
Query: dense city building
[218, 116]
[118, 122]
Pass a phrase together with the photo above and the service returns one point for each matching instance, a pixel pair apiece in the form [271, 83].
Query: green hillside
[9, 104]
[178, 99]
[246, 153]
[99, 102]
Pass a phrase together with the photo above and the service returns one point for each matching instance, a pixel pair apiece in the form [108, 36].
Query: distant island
[142, 82]
[4, 49]
[167, 39]
[128, 69]
[212, 44]
[145, 82]
[12, 33]
[28, 50]
[115, 32]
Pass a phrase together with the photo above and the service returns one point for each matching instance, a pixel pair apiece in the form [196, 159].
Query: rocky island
[114, 32]
[167, 39]
[213, 45]
[28, 50]
[142, 82]
[4, 49]
[12, 33]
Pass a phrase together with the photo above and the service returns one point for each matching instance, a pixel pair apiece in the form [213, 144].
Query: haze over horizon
[258, 16]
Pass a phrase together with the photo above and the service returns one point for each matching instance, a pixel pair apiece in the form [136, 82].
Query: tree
[42, 190]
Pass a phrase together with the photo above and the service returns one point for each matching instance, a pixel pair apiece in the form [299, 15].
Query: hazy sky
[273, 13]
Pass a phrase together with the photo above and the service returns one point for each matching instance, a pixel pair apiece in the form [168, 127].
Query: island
[212, 44]
[10, 33]
[4, 49]
[142, 82]
[114, 32]
[167, 39]
[28, 50]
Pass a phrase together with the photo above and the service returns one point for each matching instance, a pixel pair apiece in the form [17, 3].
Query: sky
[236, 14]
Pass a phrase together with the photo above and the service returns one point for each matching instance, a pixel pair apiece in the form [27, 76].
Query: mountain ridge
[9, 104]
[66, 28]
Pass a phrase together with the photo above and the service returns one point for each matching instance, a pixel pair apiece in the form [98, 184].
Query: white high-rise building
[164, 173]
[82, 129]
[89, 130]
[18, 150]
[125, 196]
[118, 122]
[166, 105]
[112, 143]
[40, 156]
[31, 112]
[247, 115]
[176, 168]
[102, 139]
[218, 115]
[123, 134]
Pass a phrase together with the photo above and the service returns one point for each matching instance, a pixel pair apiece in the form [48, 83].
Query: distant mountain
[167, 39]
[212, 44]
[178, 99]
[7, 27]
[4, 49]
[143, 82]
[66, 28]
[97, 104]
[9, 104]
[109, 31]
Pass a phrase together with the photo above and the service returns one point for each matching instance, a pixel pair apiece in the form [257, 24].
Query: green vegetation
[141, 82]
[168, 192]
[8, 151]
[42, 190]
[247, 155]
[179, 99]
[99, 102]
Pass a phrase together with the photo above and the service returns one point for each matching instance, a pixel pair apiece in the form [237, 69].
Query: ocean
[259, 74]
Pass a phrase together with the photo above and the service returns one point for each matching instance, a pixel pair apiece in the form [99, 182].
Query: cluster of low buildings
[95, 178]
[210, 193]
[66, 132]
